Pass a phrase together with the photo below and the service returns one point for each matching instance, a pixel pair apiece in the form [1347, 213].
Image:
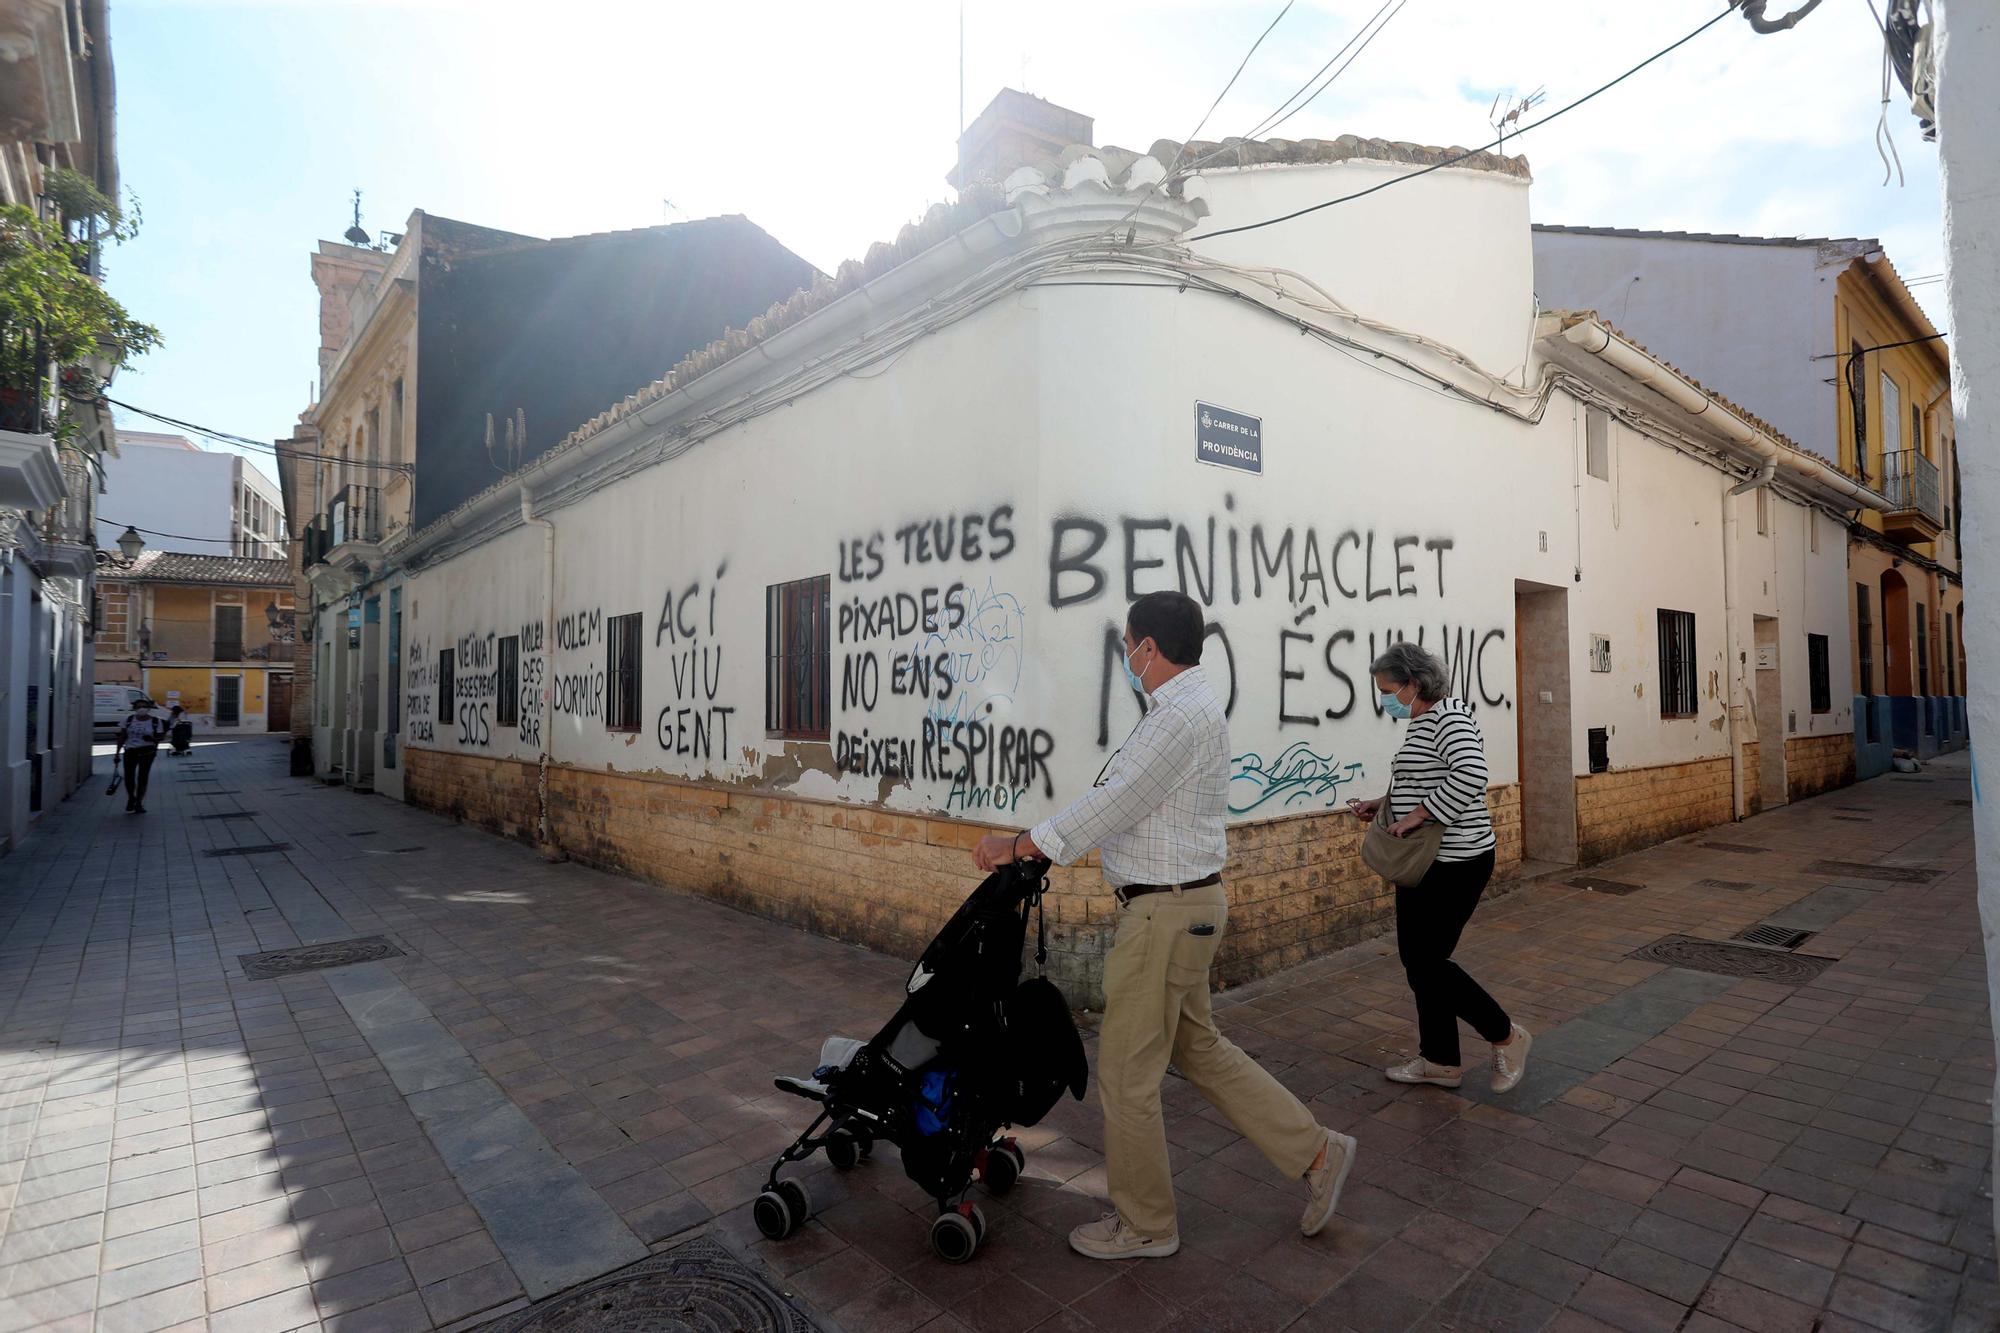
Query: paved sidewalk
[566, 1069]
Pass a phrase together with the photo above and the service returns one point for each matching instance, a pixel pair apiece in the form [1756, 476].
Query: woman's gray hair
[1406, 664]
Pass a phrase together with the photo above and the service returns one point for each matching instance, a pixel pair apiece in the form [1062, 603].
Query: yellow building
[1895, 432]
[211, 633]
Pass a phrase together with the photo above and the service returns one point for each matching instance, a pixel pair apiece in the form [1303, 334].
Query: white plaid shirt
[1157, 811]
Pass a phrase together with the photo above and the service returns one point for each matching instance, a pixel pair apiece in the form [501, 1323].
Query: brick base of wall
[1297, 886]
[1815, 764]
[1626, 809]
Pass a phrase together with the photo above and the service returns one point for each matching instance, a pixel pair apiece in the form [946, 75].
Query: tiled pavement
[568, 1068]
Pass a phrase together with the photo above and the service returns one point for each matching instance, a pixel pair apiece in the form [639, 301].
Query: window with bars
[447, 683]
[1820, 667]
[797, 672]
[1923, 651]
[1864, 638]
[1679, 689]
[507, 682]
[621, 673]
[1948, 657]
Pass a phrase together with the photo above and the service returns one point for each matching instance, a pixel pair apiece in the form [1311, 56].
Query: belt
[1128, 892]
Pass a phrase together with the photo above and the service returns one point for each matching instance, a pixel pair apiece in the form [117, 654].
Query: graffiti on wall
[578, 692]
[691, 724]
[533, 675]
[420, 681]
[1298, 776]
[475, 685]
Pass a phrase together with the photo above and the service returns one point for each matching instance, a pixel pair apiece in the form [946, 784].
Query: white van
[110, 705]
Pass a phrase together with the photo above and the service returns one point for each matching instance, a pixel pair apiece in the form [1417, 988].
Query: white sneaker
[1510, 1062]
[1110, 1238]
[1420, 1070]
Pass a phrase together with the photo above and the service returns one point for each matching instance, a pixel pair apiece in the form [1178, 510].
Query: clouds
[244, 127]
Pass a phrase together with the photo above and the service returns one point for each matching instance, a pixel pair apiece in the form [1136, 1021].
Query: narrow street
[560, 1072]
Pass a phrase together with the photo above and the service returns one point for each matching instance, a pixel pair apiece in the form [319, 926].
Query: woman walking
[1439, 775]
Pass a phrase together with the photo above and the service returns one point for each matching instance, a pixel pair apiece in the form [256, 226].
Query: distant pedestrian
[139, 739]
[1156, 814]
[180, 728]
[1439, 775]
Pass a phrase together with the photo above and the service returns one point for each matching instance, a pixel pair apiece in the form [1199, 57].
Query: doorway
[1767, 710]
[1896, 674]
[1543, 736]
[278, 708]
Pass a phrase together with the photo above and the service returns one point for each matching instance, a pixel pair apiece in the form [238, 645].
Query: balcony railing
[314, 537]
[354, 516]
[1910, 484]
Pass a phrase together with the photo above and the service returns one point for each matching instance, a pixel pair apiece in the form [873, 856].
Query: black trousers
[138, 768]
[1429, 920]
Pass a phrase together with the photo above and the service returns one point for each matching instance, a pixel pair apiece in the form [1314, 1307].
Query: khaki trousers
[1155, 1011]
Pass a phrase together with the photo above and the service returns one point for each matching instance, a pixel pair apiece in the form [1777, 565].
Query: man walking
[1156, 814]
[139, 740]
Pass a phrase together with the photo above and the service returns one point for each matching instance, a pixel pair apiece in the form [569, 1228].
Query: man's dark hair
[1173, 620]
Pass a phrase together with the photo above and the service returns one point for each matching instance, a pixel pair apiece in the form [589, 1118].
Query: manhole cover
[1862, 870]
[248, 849]
[316, 957]
[1734, 885]
[1599, 885]
[1733, 960]
[1739, 848]
[698, 1287]
[1774, 937]
[231, 814]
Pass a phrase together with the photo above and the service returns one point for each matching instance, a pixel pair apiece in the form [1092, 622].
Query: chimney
[1015, 129]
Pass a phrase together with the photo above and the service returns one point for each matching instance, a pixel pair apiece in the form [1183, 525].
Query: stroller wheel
[954, 1237]
[797, 1200]
[1001, 1170]
[843, 1149]
[772, 1215]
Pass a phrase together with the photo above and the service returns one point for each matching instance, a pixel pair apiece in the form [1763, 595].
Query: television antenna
[1502, 123]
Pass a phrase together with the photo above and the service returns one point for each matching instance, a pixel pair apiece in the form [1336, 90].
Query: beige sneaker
[1109, 1238]
[1510, 1062]
[1324, 1183]
[1420, 1070]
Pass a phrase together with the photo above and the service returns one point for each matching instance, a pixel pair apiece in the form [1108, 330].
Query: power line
[1268, 124]
[264, 446]
[1469, 153]
[1880, 347]
[184, 537]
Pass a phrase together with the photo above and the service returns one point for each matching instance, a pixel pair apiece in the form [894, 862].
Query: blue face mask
[1132, 677]
[1395, 707]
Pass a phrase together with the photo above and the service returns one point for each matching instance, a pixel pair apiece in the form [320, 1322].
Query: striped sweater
[1442, 765]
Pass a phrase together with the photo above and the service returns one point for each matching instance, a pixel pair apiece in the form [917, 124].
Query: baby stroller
[972, 1049]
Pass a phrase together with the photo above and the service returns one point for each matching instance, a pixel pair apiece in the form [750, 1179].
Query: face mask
[1395, 707]
[1132, 677]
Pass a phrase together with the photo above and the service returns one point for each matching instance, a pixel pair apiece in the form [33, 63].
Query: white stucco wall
[163, 489]
[1058, 425]
[1689, 301]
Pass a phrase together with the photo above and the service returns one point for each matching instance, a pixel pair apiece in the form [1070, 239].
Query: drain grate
[316, 957]
[1733, 960]
[699, 1287]
[1597, 884]
[1862, 870]
[231, 814]
[364, 833]
[222, 791]
[1958, 801]
[1854, 819]
[248, 849]
[1735, 885]
[1774, 937]
[1741, 849]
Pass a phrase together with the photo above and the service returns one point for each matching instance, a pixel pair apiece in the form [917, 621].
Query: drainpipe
[542, 838]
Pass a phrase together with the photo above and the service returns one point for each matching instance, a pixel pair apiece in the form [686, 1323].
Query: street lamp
[130, 544]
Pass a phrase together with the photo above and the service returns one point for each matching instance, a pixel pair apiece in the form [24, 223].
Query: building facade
[792, 626]
[459, 357]
[56, 112]
[182, 497]
[211, 633]
[1823, 335]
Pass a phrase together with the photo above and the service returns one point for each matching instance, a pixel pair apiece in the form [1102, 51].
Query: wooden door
[278, 704]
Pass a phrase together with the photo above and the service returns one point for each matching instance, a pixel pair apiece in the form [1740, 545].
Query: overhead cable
[263, 446]
[1456, 158]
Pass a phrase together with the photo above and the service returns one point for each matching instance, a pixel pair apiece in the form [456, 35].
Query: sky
[244, 127]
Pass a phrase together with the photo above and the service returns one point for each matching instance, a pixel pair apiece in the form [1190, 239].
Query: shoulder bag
[1402, 861]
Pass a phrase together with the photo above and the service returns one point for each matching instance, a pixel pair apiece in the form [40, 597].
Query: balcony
[354, 527]
[1910, 483]
[30, 477]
